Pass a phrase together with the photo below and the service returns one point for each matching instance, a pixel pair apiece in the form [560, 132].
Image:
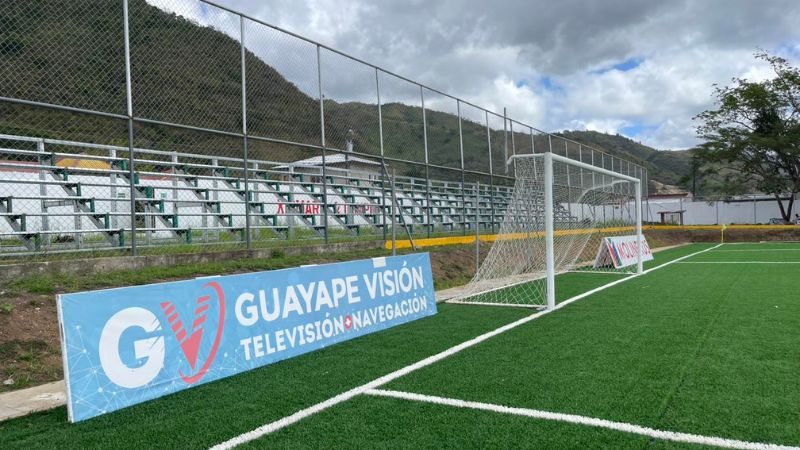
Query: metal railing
[252, 135]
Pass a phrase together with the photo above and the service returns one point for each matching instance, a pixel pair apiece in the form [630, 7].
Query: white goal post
[564, 215]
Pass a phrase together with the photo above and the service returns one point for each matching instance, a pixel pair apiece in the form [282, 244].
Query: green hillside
[71, 53]
[665, 166]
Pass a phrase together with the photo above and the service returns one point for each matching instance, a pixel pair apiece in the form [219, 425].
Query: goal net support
[557, 221]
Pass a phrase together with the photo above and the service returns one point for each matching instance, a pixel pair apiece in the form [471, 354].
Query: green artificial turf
[707, 349]
[371, 422]
[711, 349]
[741, 254]
[214, 412]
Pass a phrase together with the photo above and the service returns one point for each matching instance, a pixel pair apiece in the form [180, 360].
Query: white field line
[600, 272]
[762, 250]
[459, 298]
[510, 305]
[740, 262]
[762, 243]
[583, 420]
[344, 396]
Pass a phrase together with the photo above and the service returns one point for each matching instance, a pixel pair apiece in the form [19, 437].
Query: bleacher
[70, 196]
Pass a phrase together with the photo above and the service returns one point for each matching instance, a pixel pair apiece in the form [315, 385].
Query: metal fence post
[533, 144]
[463, 178]
[383, 167]
[477, 226]
[569, 183]
[215, 197]
[580, 158]
[383, 163]
[129, 104]
[43, 192]
[505, 140]
[174, 183]
[513, 143]
[491, 170]
[112, 179]
[247, 224]
[394, 215]
[383, 198]
[322, 141]
[639, 236]
[428, 200]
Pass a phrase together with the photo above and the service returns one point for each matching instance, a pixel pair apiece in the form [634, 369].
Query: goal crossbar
[578, 164]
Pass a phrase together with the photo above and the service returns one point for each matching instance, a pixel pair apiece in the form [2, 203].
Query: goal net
[557, 220]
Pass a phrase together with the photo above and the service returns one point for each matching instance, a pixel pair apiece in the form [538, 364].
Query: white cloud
[481, 51]
[610, 126]
[660, 96]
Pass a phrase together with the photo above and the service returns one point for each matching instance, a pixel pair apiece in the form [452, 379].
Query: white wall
[699, 212]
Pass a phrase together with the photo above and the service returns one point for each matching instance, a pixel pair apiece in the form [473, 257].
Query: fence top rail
[180, 155]
[378, 68]
[239, 161]
[642, 169]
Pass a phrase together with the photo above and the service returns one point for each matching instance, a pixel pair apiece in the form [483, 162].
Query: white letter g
[150, 348]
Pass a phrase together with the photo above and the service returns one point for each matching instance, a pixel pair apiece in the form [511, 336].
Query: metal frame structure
[253, 182]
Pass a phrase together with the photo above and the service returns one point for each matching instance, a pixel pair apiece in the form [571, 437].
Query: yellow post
[722, 234]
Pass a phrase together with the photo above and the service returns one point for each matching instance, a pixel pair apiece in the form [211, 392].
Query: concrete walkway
[446, 294]
[38, 398]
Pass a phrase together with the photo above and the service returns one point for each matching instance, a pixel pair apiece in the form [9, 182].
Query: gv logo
[190, 345]
[152, 349]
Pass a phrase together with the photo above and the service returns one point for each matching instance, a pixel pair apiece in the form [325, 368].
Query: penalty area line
[582, 420]
[740, 262]
[347, 395]
[761, 250]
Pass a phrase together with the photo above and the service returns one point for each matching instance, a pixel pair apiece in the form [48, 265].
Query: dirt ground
[30, 349]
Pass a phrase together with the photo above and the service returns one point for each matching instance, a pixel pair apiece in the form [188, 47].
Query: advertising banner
[129, 345]
[620, 251]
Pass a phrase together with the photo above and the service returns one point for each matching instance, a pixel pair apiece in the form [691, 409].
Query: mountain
[72, 53]
[670, 168]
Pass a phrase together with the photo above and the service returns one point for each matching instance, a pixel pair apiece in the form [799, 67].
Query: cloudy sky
[639, 68]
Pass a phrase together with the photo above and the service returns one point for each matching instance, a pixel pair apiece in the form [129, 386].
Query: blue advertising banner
[129, 345]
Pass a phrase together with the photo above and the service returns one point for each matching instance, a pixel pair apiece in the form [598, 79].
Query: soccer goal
[564, 215]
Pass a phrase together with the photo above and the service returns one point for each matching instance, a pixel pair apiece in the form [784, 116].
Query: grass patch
[52, 284]
[451, 274]
[23, 362]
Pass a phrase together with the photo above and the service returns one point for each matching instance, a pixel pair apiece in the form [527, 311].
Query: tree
[753, 136]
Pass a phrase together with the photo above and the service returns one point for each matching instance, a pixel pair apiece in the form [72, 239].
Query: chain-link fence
[154, 126]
